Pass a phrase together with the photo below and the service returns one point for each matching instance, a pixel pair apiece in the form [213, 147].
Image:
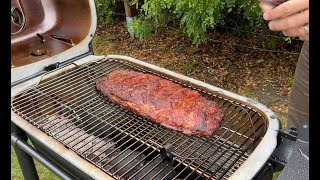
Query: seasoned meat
[162, 101]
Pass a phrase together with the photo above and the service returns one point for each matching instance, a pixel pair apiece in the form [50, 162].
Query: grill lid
[45, 32]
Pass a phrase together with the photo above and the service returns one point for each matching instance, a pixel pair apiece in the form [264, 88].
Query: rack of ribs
[162, 101]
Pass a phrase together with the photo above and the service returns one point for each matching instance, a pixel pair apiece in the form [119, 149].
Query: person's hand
[291, 17]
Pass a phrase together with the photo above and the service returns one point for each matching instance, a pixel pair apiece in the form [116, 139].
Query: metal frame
[267, 145]
[25, 154]
[271, 117]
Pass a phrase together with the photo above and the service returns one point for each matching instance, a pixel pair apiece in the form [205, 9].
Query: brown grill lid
[45, 32]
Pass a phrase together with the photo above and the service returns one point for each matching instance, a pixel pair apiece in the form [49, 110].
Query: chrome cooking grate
[125, 145]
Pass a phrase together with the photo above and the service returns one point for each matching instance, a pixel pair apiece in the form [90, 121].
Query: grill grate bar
[82, 95]
[122, 126]
[91, 128]
[140, 154]
[119, 148]
[219, 157]
[198, 147]
[129, 153]
[69, 109]
[49, 109]
[171, 137]
[154, 149]
[236, 158]
[80, 121]
[75, 75]
[76, 86]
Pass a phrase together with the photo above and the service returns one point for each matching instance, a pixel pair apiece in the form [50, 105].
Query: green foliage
[290, 81]
[16, 173]
[194, 17]
[245, 16]
[197, 16]
[288, 39]
[190, 68]
[141, 28]
[272, 43]
[248, 13]
[262, 61]
[105, 10]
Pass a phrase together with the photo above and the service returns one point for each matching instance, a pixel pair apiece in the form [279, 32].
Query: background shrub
[194, 17]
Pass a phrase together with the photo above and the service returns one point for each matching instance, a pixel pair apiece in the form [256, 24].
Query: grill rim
[257, 158]
[266, 146]
[58, 148]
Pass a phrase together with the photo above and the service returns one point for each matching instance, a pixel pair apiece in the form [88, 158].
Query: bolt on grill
[127, 146]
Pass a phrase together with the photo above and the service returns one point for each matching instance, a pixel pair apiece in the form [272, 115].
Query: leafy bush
[248, 13]
[194, 17]
[190, 68]
[272, 43]
[245, 16]
[105, 10]
[141, 28]
[197, 16]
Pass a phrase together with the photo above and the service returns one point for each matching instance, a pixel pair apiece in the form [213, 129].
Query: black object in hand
[275, 3]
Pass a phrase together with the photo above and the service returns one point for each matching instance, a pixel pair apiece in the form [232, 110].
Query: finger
[286, 9]
[304, 38]
[293, 21]
[296, 32]
[265, 7]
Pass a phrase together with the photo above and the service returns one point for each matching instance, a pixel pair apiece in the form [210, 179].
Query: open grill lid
[45, 32]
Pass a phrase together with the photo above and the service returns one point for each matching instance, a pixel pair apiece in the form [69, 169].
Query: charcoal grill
[79, 134]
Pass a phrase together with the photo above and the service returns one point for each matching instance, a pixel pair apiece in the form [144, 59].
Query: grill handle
[291, 157]
[287, 142]
[297, 166]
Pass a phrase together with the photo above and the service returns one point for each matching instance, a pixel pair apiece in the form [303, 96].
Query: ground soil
[258, 74]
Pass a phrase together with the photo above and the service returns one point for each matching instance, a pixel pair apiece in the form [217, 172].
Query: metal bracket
[166, 152]
[297, 166]
[290, 157]
[283, 152]
[290, 134]
[52, 67]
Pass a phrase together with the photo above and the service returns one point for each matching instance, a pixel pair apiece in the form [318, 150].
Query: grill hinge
[278, 160]
[284, 151]
[52, 67]
[290, 134]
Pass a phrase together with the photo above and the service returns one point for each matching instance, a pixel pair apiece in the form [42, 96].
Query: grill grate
[125, 145]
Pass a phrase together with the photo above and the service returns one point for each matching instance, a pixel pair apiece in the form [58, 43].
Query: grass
[275, 175]
[190, 68]
[102, 44]
[16, 173]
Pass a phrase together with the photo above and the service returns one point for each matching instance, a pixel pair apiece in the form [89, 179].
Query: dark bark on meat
[162, 101]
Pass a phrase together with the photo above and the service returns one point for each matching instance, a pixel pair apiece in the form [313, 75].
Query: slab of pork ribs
[162, 101]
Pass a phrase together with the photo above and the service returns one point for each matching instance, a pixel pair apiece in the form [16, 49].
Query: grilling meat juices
[162, 101]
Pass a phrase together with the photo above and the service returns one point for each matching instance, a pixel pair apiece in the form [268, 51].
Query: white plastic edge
[81, 48]
[262, 152]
